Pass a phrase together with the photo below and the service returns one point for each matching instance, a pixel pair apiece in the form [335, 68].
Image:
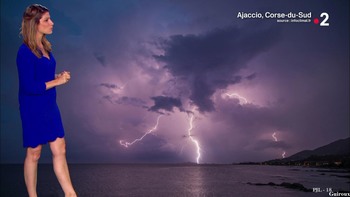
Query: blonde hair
[31, 19]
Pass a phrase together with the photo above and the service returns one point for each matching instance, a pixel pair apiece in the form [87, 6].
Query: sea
[181, 180]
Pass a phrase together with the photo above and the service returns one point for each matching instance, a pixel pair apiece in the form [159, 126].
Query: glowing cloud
[242, 100]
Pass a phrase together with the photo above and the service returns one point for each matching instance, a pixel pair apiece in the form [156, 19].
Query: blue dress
[41, 119]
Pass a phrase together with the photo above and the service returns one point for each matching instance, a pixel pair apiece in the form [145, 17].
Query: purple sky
[240, 80]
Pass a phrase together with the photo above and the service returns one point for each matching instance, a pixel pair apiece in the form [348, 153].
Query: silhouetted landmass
[335, 154]
[339, 147]
[296, 186]
[337, 161]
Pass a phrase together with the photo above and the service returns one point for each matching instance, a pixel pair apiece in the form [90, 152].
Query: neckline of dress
[48, 58]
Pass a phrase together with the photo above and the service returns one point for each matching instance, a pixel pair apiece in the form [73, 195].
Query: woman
[41, 120]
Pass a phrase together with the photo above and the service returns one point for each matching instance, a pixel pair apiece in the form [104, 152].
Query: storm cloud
[166, 103]
[211, 61]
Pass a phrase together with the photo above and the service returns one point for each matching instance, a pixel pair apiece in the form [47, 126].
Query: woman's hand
[60, 79]
[63, 77]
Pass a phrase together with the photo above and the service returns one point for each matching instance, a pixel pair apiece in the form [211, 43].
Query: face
[45, 25]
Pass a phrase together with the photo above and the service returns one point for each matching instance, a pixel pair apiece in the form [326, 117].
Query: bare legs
[58, 149]
[31, 169]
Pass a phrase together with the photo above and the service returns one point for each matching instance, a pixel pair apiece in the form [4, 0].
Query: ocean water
[163, 180]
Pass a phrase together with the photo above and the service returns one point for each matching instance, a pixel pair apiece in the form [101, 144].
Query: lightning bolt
[195, 142]
[242, 100]
[275, 138]
[127, 144]
[189, 131]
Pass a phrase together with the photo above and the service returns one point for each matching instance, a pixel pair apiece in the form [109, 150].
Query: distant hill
[335, 154]
[339, 147]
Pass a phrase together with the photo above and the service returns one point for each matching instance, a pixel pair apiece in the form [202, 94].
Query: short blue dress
[41, 119]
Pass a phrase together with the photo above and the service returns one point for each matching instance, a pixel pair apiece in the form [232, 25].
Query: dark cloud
[166, 103]
[100, 58]
[110, 85]
[251, 76]
[124, 100]
[212, 60]
[131, 101]
[115, 98]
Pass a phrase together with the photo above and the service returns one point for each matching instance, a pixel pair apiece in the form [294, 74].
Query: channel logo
[324, 16]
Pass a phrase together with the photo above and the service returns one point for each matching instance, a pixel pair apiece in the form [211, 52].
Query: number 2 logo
[324, 21]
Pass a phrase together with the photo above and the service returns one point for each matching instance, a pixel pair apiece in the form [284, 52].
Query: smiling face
[45, 25]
